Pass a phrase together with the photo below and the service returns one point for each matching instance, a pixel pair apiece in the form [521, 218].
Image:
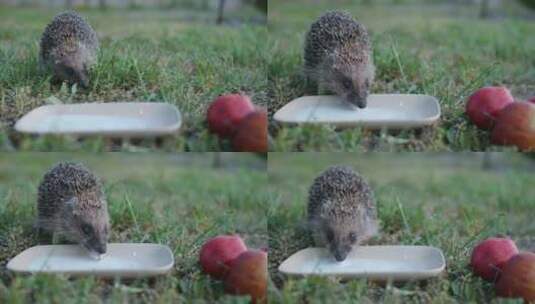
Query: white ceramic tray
[384, 110]
[121, 260]
[398, 263]
[122, 119]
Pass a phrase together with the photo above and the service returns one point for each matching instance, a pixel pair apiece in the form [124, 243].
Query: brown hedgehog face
[90, 228]
[71, 70]
[340, 237]
[350, 79]
[352, 86]
[94, 234]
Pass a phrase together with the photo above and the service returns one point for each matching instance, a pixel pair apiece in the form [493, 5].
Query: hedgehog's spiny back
[64, 181]
[64, 32]
[330, 32]
[345, 188]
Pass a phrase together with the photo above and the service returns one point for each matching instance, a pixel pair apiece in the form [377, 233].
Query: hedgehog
[341, 211]
[69, 47]
[71, 204]
[338, 57]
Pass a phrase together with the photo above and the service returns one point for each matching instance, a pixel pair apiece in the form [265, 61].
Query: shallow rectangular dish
[397, 111]
[398, 263]
[120, 119]
[121, 260]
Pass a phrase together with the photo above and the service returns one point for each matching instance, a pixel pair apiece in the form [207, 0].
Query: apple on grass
[518, 278]
[226, 112]
[489, 257]
[248, 276]
[251, 134]
[516, 126]
[217, 254]
[485, 104]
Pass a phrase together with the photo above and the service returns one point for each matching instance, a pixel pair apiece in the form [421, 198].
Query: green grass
[178, 56]
[442, 200]
[176, 200]
[438, 50]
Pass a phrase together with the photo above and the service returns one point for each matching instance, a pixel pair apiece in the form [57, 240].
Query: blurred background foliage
[192, 4]
[221, 6]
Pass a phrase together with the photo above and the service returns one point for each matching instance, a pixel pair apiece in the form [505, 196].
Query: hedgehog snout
[101, 247]
[80, 77]
[83, 80]
[339, 249]
[356, 100]
[340, 252]
[96, 245]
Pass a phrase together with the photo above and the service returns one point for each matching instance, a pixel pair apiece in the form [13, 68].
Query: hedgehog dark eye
[86, 228]
[352, 237]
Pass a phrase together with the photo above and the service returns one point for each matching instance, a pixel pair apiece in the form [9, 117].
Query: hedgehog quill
[338, 57]
[69, 46]
[71, 204]
[341, 211]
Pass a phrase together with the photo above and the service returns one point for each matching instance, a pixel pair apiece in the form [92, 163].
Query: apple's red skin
[489, 257]
[251, 135]
[532, 100]
[248, 276]
[226, 112]
[217, 254]
[516, 126]
[518, 278]
[484, 105]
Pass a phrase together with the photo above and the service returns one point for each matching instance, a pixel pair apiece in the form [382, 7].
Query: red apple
[248, 276]
[217, 254]
[516, 126]
[489, 257]
[252, 133]
[518, 278]
[225, 113]
[484, 105]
